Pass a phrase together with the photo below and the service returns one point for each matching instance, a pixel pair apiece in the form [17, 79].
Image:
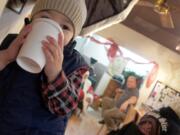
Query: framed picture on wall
[162, 95]
[16, 5]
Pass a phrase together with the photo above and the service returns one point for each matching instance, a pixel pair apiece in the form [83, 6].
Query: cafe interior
[140, 37]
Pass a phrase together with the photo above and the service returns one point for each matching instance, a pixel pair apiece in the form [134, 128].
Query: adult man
[114, 110]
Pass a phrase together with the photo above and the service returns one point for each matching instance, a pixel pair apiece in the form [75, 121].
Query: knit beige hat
[75, 10]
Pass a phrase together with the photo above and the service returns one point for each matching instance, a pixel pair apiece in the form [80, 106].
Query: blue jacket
[22, 109]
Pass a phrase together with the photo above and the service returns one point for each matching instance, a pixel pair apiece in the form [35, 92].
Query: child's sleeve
[61, 96]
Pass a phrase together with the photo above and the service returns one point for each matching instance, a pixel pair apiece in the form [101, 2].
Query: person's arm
[118, 93]
[131, 101]
[3, 61]
[11, 45]
[61, 96]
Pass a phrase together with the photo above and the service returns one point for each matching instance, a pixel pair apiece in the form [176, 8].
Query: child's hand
[13, 50]
[53, 51]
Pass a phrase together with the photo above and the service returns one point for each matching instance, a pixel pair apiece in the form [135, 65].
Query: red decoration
[114, 49]
[152, 75]
[112, 53]
[81, 95]
[91, 91]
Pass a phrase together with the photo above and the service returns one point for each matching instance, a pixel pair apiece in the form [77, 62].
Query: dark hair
[127, 74]
[157, 128]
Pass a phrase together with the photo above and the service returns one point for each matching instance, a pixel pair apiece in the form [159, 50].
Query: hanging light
[159, 2]
[161, 7]
[178, 48]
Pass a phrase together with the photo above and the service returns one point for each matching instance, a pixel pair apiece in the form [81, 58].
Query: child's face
[62, 20]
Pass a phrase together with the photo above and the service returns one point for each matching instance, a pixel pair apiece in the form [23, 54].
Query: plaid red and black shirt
[61, 96]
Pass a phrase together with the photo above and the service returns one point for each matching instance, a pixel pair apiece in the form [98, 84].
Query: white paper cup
[31, 56]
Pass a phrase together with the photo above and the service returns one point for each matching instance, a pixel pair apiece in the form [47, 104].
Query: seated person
[162, 122]
[114, 110]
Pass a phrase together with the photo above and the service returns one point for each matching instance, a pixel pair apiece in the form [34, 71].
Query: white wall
[2, 6]
[92, 49]
[169, 61]
[11, 22]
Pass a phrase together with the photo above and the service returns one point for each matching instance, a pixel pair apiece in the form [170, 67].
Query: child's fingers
[61, 41]
[48, 55]
[57, 49]
[52, 49]
[52, 41]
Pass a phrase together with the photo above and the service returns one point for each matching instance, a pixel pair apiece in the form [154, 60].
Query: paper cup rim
[33, 69]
